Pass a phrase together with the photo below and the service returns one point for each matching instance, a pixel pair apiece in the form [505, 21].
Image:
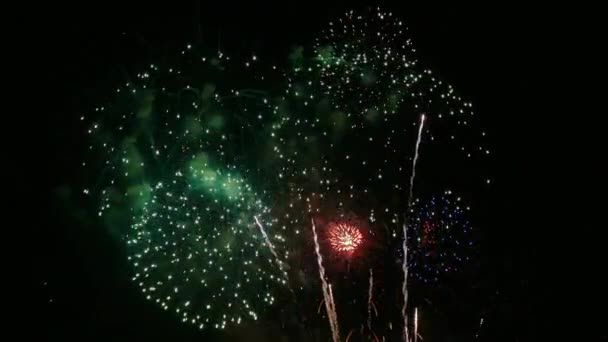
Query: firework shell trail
[416, 325]
[404, 285]
[349, 335]
[370, 294]
[334, 312]
[421, 127]
[404, 264]
[479, 329]
[327, 296]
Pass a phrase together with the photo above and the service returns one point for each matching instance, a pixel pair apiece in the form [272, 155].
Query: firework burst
[344, 237]
[183, 167]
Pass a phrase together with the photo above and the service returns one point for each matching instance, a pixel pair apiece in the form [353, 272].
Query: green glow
[185, 160]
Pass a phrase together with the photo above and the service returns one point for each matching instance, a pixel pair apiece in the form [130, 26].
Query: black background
[503, 59]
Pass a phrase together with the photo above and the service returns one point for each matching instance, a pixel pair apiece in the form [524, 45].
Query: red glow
[344, 237]
[428, 233]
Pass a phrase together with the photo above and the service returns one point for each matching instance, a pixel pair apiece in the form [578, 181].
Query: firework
[182, 247]
[405, 261]
[404, 285]
[327, 292]
[344, 237]
[479, 329]
[174, 182]
[349, 119]
[364, 63]
[440, 236]
[350, 333]
[272, 249]
[181, 161]
[415, 324]
[369, 299]
[416, 154]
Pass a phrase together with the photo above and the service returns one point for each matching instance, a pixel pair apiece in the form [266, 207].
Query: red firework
[344, 237]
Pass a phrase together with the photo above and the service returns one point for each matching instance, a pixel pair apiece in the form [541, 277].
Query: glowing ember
[344, 237]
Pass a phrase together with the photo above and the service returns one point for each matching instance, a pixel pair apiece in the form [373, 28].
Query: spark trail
[416, 325]
[478, 330]
[327, 292]
[404, 286]
[411, 195]
[272, 250]
[369, 299]
[333, 311]
[404, 264]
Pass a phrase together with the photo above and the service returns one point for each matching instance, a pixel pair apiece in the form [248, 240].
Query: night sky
[495, 58]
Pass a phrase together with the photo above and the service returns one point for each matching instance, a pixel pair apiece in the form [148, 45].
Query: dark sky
[496, 57]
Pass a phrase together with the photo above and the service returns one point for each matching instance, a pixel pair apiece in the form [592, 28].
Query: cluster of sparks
[184, 169]
[352, 110]
[175, 253]
[443, 236]
[344, 237]
[199, 236]
[367, 54]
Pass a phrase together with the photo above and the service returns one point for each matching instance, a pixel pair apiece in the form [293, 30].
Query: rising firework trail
[333, 311]
[404, 286]
[370, 298]
[411, 195]
[349, 335]
[478, 330]
[416, 325]
[404, 264]
[327, 293]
